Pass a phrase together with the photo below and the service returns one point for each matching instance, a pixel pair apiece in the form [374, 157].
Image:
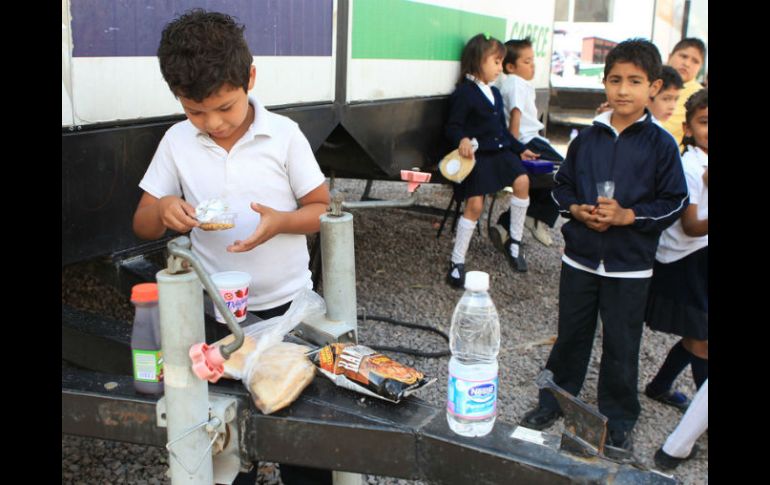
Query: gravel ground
[400, 269]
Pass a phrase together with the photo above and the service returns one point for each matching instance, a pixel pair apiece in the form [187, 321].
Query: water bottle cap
[476, 281]
[144, 292]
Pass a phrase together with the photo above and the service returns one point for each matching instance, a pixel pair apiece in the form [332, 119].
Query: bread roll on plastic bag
[278, 375]
[274, 372]
[234, 366]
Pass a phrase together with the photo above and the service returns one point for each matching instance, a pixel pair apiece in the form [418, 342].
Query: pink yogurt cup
[234, 288]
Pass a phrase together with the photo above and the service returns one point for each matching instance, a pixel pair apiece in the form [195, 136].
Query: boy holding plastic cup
[611, 239]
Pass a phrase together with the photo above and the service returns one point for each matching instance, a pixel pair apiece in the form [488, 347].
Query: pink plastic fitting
[207, 362]
[414, 179]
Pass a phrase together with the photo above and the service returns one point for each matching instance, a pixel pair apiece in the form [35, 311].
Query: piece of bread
[235, 365]
[279, 375]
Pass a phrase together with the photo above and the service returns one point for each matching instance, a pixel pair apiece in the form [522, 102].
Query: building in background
[586, 30]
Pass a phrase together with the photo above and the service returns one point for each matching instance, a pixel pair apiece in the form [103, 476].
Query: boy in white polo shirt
[521, 118]
[231, 147]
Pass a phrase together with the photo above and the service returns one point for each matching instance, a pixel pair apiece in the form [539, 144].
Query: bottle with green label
[145, 340]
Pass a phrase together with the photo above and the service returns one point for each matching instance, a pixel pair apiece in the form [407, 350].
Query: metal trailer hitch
[410, 440]
[339, 276]
[340, 324]
[585, 428]
[190, 414]
[207, 361]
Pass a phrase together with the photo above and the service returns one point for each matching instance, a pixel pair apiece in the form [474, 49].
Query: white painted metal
[180, 298]
[339, 267]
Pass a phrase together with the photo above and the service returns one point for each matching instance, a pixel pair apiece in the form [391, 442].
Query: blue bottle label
[472, 399]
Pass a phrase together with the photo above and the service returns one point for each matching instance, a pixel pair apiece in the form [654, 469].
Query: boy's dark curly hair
[671, 79]
[513, 49]
[697, 101]
[200, 51]
[640, 52]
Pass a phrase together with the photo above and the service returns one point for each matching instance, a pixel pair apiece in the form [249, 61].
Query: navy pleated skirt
[492, 172]
[678, 300]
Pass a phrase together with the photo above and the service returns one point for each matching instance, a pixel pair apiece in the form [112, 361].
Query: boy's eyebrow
[632, 76]
[227, 103]
[221, 106]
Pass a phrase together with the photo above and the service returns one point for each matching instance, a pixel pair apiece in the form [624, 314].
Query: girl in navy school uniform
[678, 298]
[476, 125]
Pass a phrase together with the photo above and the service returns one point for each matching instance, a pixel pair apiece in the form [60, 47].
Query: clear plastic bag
[275, 372]
[278, 375]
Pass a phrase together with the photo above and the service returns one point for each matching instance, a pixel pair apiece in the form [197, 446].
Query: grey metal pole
[339, 267]
[339, 277]
[180, 298]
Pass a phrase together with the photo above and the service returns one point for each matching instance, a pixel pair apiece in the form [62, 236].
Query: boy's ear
[252, 76]
[655, 87]
[508, 67]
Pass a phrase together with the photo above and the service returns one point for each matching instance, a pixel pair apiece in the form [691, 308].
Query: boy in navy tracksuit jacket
[610, 242]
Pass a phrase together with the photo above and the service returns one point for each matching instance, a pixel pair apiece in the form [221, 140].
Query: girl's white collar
[473, 78]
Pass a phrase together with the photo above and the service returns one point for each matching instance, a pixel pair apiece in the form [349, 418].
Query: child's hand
[466, 148]
[529, 155]
[583, 212]
[177, 214]
[269, 225]
[706, 177]
[586, 213]
[609, 211]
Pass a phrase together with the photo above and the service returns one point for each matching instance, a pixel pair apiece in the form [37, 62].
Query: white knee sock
[465, 228]
[518, 214]
[694, 422]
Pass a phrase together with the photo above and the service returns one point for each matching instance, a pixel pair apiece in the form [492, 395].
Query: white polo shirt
[674, 243]
[520, 93]
[272, 164]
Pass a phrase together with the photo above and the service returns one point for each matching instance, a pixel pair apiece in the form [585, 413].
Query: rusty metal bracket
[585, 429]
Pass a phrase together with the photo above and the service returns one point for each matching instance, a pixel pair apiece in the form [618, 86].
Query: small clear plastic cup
[220, 222]
[606, 189]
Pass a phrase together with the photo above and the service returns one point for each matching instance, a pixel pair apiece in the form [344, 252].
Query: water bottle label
[472, 399]
[148, 365]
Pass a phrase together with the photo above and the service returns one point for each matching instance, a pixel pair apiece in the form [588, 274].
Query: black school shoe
[619, 444]
[671, 398]
[457, 282]
[519, 263]
[540, 418]
[496, 234]
[665, 461]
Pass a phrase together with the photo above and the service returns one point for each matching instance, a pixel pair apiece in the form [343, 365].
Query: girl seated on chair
[476, 125]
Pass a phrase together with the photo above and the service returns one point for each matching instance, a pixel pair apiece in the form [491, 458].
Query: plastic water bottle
[145, 340]
[474, 340]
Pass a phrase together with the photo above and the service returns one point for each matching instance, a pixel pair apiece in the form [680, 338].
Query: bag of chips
[364, 370]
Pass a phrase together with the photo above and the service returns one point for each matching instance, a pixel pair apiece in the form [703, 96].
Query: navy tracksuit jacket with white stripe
[645, 165]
